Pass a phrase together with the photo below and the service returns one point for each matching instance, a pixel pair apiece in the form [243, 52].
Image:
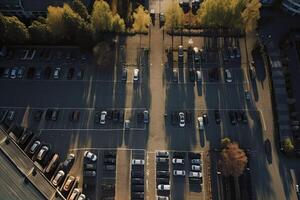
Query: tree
[141, 21]
[251, 15]
[2, 27]
[225, 141]
[118, 24]
[288, 145]
[16, 32]
[72, 22]
[174, 18]
[55, 22]
[101, 17]
[39, 32]
[80, 8]
[233, 160]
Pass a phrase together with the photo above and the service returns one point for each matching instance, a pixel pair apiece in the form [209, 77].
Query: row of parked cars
[118, 116]
[49, 162]
[40, 73]
[137, 179]
[162, 175]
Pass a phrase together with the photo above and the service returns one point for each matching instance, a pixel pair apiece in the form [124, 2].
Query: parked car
[228, 76]
[89, 173]
[43, 151]
[56, 73]
[54, 115]
[89, 155]
[6, 73]
[162, 198]
[75, 115]
[11, 115]
[180, 52]
[27, 134]
[178, 172]
[136, 75]
[162, 154]
[199, 76]
[102, 117]
[97, 118]
[20, 73]
[124, 74]
[162, 19]
[244, 117]
[181, 119]
[80, 74]
[58, 177]
[13, 73]
[68, 163]
[200, 123]
[196, 161]
[232, 117]
[247, 95]
[75, 193]
[162, 180]
[34, 147]
[137, 181]
[196, 168]
[81, 197]
[69, 183]
[53, 163]
[195, 174]
[70, 73]
[136, 174]
[191, 75]
[164, 187]
[178, 161]
[162, 174]
[38, 115]
[90, 166]
[162, 160]
[146, 116]
[217, 116]
[175, 75]
[110, 167]
[137, 162]
[205, 119]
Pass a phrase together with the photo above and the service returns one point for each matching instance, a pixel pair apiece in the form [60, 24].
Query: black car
[124, 74]
[162, 174]
[48, 72]
[80, 74]
[205, 119]
[27, 134]
[238, 116]
[109, 114]
[97, 118]
[70, 73]
[109, 167]
[232, 117]
[110, 160]
[137, 174]
[108, 187]
[54, 115]
[244, 117]
[121, 117]
[116, 115]
[140, 117]
[68, 163]
[137, 195]
[90, 166]
[217, 116]
[137, 181]
[137, 188]
[162, 19]
[192, 75]
[193, 155]
[109, 154]
[48, 114]
[174, 118]
[189, 116]
[30, 72]
[74, 116]
[38, 115]
[162, 180]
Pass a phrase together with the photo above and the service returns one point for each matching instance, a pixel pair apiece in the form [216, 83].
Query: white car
[102, 117]
[228, 77]
[56, 73]
[181, 119]
[179, 173]
[200, 123]
[35, 146]
[91, 156]
[196, 168]
[42, 152]
[195, 174]
[177, 161]
[136, 74]
[163, 187]
[81, 197]
[162, 198]
[59, 176]
[137, 162]
[75, 194]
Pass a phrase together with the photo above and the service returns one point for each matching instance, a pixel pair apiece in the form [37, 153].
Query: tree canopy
[80, 8]
[39, 32]
[233, 160]
[174, 16]
[141, 20]
[15, 31]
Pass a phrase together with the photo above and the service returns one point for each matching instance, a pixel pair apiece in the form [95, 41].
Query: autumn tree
[174, 18]
[80, 8]
[141, 21]
[101, 17]
[55, 22]
[251, 15]
[39, 32]
[2, 28]
[288, 145]
[15, 31]
[233, 160]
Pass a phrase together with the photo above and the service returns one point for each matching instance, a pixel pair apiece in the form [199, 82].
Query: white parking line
[92, 129]
[207, 83]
